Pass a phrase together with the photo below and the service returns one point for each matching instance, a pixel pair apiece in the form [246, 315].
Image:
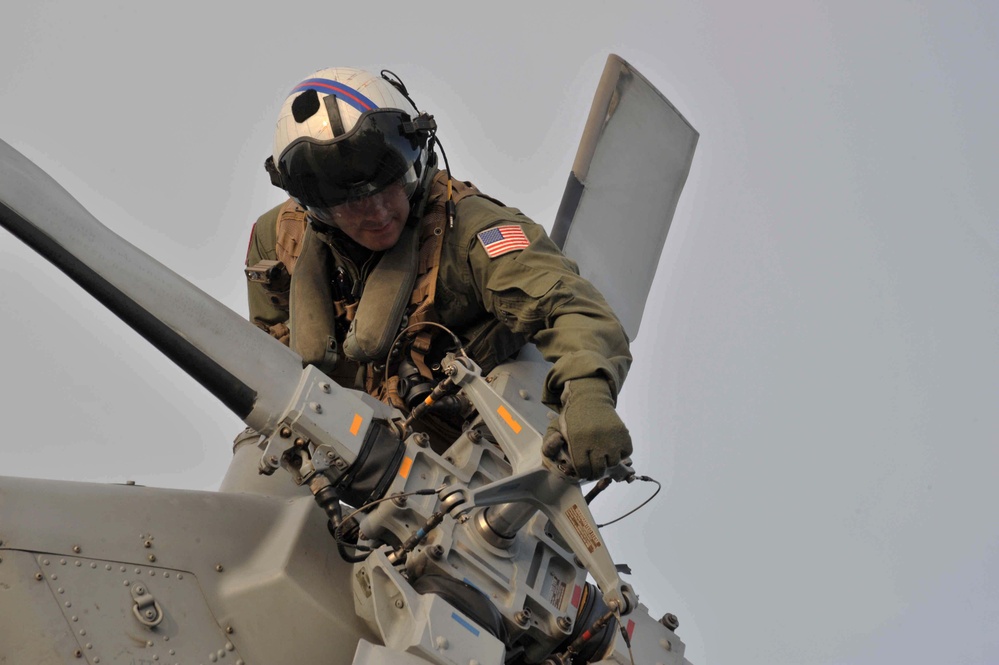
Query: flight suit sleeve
[538, 292]
[263, 312]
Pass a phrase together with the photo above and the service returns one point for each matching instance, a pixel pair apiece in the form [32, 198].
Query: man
[393, 264]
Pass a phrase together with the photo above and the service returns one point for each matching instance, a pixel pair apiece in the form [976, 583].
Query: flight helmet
[345, 134]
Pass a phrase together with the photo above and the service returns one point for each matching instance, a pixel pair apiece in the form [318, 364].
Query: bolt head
[285, 432]
[399, 603]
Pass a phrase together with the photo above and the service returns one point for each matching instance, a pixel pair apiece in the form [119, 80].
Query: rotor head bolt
[436, 552]
[285, 432]
[422, 439]
[670, 621]
[523, 617]
[564, 623]
[474, 435]
[299, 442]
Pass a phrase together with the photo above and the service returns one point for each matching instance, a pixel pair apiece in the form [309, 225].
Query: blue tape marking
[464, 622]
[342, 92]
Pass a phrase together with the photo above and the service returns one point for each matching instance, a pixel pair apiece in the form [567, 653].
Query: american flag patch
[502, 239]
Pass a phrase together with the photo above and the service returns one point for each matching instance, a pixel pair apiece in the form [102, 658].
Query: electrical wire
[398, 338]
[646, 479]
[337, 534]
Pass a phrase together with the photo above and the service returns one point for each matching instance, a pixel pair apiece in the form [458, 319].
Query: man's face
[374, 222]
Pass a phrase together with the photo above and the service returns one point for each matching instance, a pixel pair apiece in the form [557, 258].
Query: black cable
[338, 534]
[641, 505]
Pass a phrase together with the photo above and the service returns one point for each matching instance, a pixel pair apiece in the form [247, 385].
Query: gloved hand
[596, 437]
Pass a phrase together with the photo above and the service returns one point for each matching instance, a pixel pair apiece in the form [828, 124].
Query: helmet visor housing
[371, 156]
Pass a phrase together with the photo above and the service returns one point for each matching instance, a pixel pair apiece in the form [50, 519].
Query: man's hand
[594, 433]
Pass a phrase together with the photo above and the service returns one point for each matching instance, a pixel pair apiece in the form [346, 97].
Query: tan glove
[596, 437]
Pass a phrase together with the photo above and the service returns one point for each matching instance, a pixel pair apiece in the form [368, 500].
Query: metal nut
[564, 623]
[670, 621]
[285, 432]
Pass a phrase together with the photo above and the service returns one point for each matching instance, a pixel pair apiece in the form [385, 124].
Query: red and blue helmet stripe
[342, 92]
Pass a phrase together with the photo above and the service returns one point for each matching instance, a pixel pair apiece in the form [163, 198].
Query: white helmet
[344, 134]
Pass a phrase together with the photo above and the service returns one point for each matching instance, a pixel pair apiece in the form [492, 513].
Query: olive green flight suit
[494, 304]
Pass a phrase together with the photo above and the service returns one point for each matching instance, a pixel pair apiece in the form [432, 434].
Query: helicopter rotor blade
[204, 337]
[630, 167]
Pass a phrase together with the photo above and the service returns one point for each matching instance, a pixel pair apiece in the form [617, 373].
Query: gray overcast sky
[816, 377]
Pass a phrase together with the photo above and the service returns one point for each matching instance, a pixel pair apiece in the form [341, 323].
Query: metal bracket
[145, 608]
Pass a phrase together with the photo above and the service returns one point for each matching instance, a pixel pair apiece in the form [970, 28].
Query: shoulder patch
[499, 240]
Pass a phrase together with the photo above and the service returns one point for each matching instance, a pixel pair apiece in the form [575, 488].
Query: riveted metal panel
[98, 600]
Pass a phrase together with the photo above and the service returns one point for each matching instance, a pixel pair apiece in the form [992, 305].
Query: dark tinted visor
[372, 155]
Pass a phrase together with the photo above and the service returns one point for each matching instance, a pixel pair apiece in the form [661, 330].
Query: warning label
[583, 528]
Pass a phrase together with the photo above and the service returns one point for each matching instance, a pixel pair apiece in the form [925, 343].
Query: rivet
[53, 576]
[172, 652]
[229, 630]
[218, 567]
[229, 646]
[147, 544]
[180, 576]
[139, 590]
[316, 406]
[38, 576]
[325, 387]
[213, 658]
[75, 618]
[122, 569]
[76, 549]
[107, 566]
[89, 645]
[78, 653]
[61, 590]
[93, 565]
[126, 583]
[77, 564]
[285, 432]
[45, 561]
[62, 562]
[68, 604]
[151, 557]
[130, 482]
[83, 631]
[149, 643]
[220, 653]
[399, 603]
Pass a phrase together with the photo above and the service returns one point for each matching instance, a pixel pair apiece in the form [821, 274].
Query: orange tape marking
[407, 465]
[355, 426]
[505, 415]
